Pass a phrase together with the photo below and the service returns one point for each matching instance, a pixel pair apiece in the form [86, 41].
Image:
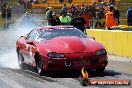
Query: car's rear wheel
[100, 70]
[20, 59]
[39, 65]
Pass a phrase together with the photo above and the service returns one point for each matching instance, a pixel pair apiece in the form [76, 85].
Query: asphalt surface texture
[11, 76]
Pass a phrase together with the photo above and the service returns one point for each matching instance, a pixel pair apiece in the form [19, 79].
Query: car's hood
[71, 44]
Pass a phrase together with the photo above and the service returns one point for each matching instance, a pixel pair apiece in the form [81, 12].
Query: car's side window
[32, 35]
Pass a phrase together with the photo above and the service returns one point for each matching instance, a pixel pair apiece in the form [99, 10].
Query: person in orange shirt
[110, 21]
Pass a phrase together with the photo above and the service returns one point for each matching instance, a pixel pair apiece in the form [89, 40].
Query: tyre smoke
[9, 36]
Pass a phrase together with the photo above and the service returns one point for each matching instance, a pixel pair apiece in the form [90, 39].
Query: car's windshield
[52, 33]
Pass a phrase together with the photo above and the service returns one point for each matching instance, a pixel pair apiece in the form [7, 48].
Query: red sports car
[60, 48]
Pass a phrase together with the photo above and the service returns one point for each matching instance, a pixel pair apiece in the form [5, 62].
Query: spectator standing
[64, 9]
[47, 9]
[72, 9]
[101, 11]
[110, 21]
[87, 18]
[49, 14]
[100, 16]
[98, 20]
[61, 1]
[29, 3]
[82, 8]
[65, 20]
[3, 10]
[129, 16]
[79, 22]
[8, 12]
[70, 1]
[111, 2]
[78, 8]
[117, 16]
[21, 2]
[54, 20]
[94, 3]
[92, 10]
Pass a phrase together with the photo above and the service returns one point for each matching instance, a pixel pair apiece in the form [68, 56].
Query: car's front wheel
[39, 65]
[20, 59]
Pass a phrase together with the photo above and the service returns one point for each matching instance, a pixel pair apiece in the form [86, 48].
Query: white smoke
[9, 59]
[22, 26]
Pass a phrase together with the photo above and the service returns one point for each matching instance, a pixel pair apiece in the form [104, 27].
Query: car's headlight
[56, 55]
[100, 52]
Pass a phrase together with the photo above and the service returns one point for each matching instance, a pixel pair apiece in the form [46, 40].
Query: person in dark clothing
[117, 16]
[61, 1]
[54, 20]
[46, 9]
[101, 12]
[49, 15]
[98, 20]
[100, 16]
[70, 1]
[79, 22]
[111, 2]
[3, 10]
[129, 16]
[82, 8]
[8, 13]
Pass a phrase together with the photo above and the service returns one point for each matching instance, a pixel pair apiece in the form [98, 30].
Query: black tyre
[39, 65]
[85, 82]
[20, 59]
[100, 70]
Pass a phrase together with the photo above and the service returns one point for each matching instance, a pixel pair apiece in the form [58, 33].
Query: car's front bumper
[76, 64]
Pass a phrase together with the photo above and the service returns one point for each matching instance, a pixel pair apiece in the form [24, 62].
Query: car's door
[30, 47]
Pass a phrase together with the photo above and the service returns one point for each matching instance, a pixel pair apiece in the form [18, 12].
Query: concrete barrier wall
[115, 42]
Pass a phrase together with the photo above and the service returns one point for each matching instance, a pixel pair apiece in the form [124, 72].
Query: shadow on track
[74, 74]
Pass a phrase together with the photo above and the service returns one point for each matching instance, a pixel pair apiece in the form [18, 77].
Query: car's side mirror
[22, 36]
[92, 37]
[30, 42]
